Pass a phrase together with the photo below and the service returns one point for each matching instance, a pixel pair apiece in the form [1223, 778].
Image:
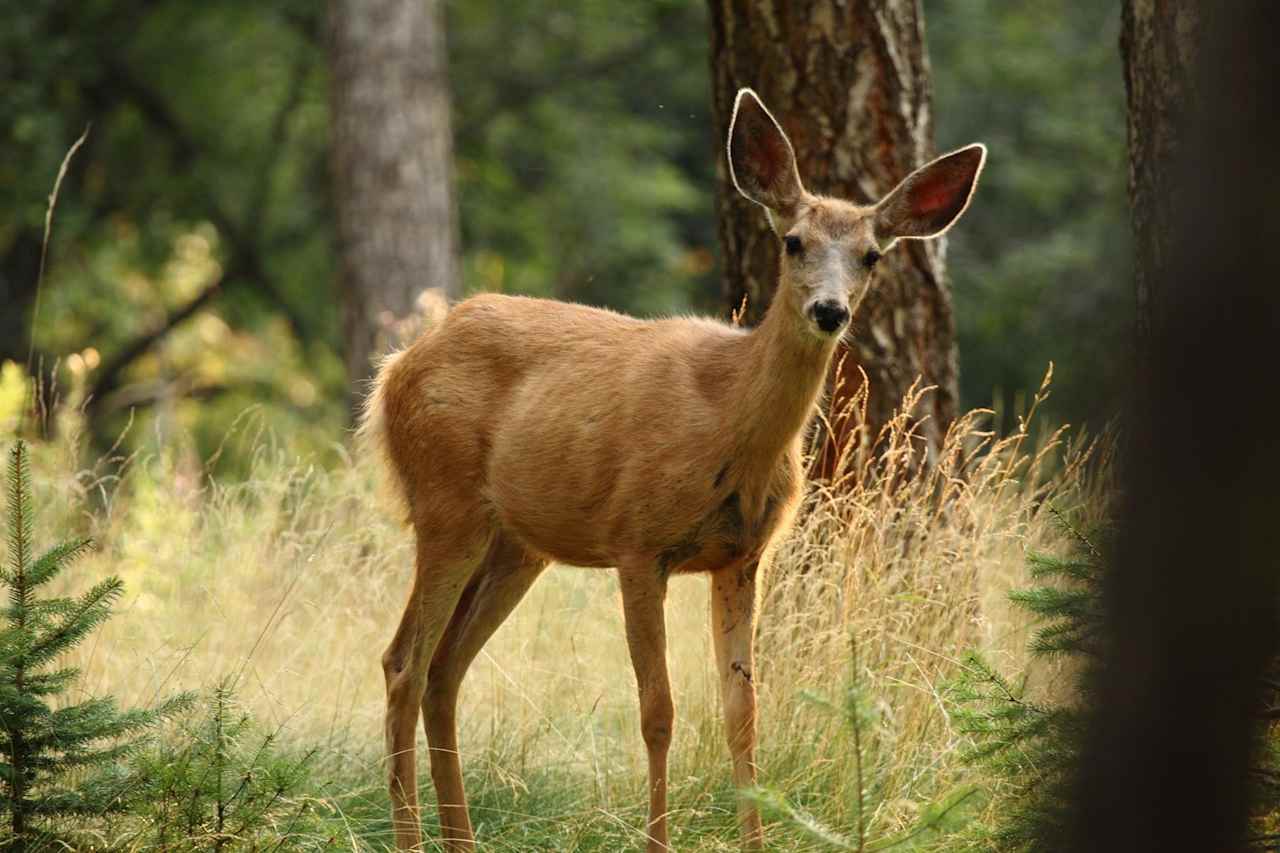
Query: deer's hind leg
[497, 587]
[447, 557]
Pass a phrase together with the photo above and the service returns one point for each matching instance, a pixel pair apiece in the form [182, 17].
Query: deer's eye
[793, 245]
[870, 258]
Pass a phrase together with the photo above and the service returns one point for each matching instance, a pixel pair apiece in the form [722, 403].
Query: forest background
[194, 269]
[197, 356]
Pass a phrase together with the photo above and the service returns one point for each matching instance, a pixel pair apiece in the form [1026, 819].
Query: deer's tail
[371, 433]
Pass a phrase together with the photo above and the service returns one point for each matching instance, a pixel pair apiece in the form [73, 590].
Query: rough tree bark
[849, 81]
[1158, 44]
[392, 160]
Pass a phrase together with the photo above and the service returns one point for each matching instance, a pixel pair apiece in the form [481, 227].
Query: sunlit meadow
[290, 582]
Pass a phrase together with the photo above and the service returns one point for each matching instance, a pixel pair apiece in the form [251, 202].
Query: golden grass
[293, 581]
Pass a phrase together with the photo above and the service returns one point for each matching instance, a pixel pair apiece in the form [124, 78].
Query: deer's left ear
[930, 199]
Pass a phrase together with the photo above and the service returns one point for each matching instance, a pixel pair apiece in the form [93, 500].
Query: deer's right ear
[762, 163]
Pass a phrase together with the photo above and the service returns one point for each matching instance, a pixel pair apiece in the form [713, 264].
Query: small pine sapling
[1032, 748]
[867, 770]
[225, 784]
[63, 761]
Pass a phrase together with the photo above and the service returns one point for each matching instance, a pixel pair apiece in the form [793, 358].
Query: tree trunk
[849, 81]
[1158, 46]
[1193, 597]
[392, 160]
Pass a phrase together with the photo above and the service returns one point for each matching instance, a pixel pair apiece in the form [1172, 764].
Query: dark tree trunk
[1158, 46]
[849, 81]
[18, 271]
[1193, 597]
[392, 169]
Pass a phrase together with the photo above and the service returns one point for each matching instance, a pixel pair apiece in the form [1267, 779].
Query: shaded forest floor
[288, 585]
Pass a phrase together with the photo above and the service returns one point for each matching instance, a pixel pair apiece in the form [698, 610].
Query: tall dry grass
[292, 581]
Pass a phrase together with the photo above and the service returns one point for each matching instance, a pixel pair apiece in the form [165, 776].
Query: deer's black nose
[829, 315]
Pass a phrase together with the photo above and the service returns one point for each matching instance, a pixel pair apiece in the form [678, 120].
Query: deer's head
[831, 246]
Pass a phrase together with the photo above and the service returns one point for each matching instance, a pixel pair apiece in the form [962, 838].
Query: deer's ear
[761, 161]
[930, 199]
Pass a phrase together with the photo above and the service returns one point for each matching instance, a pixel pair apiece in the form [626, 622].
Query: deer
[522, 431]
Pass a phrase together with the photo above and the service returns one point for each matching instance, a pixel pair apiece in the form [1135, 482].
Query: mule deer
[522, 431]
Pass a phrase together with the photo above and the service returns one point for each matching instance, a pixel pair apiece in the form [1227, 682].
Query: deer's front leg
[644, 593]
[733, 605]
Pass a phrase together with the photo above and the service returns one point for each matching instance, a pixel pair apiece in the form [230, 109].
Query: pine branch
[54, 560]
[20, 510]
[1032, 747]
[92, 610]
[50, 683]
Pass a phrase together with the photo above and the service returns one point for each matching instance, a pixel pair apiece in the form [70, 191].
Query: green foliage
[204, 169]
[583, 164]
[1027, 746]
[221, 781]
[1030, 748]
[1040, 269]
[55, 761]
[1067, 599]
[580, 175]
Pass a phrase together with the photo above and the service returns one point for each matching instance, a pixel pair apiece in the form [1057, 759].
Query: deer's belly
[573, 542]
[727, 536]
[724, 536]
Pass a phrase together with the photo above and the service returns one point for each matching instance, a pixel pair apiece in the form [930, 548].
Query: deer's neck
[783, 374]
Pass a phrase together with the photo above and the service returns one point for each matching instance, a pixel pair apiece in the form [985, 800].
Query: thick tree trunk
[849, 81]
[392, 158]
[1193, 598]
[1158, 45]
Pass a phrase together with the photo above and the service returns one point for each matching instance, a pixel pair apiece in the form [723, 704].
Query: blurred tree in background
[1159, 48]
[194, 274]
[1194, 599]
[393, 172]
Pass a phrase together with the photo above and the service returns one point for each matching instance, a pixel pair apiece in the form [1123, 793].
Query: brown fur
[596, 438]
[522, 431]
